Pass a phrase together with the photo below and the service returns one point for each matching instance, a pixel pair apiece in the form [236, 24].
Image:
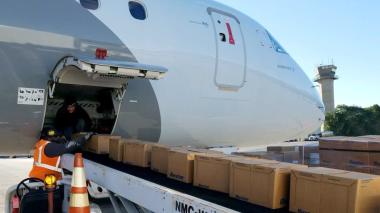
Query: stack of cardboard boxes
[267, 183]
[359, 154]
[98, 144]
[297, 154]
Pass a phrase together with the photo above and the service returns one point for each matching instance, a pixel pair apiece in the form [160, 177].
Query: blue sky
[317, 31]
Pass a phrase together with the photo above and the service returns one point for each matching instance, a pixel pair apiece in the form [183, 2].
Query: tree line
[354, 120]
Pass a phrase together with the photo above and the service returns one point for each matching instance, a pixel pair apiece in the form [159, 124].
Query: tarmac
[12, 171]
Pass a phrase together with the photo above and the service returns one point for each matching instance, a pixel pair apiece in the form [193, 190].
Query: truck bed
[107, 165]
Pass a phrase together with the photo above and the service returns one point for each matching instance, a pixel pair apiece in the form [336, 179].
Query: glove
[88, 136]
[73, 145]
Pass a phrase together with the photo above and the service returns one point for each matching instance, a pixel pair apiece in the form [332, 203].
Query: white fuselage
[242, 92]
[277, 102]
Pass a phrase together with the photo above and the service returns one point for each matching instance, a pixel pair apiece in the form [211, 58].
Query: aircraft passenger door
[230, 69]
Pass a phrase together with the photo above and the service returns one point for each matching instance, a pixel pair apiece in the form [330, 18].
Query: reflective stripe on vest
[46, 166]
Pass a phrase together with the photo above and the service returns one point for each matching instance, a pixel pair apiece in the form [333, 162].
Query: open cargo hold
[98, 85]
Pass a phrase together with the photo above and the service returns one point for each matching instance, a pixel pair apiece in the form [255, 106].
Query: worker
[48, 151]
[72, 118]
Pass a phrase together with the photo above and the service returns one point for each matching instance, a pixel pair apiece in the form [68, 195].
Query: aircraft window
[137, 10]
[90, 4]
[276, 45]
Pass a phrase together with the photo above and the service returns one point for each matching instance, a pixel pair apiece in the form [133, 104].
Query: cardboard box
[370, 136]
[344, 143]
[159, 158]
[292, 157]
[212, 171]
[357, 161]
[374, 143]
[332, 142]
[201, 150]
[241, 175]
[265, 155]
[332, 159]
[374, 163]
[348, 160]
[116, 149]
[137, 153]
[350, 192]
[99, 144]
[181, 165]
[283, 148]
[375, 170]
[305, 188]
[271, 184]
[374, 159]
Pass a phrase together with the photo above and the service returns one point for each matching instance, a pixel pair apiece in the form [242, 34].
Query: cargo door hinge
[51, 88]
[119, 93]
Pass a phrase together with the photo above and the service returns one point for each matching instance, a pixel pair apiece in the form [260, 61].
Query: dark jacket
[65, 119]
[58, 148]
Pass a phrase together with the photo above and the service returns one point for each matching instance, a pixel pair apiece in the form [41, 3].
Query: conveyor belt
[160, 179]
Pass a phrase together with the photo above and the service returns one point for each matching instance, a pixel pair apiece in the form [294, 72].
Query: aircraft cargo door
[230, 69]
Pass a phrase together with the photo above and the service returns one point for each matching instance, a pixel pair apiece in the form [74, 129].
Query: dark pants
[70, 130]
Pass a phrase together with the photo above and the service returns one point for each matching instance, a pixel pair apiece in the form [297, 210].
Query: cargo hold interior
[101, 104]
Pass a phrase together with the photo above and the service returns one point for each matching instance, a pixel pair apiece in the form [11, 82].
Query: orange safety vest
[44, 165]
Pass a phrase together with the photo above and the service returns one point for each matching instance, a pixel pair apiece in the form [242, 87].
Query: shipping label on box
[181, 165]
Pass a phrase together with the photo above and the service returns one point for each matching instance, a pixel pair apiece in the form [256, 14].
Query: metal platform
[155, 191]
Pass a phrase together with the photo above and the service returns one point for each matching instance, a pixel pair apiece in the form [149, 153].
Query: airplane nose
[317, 108]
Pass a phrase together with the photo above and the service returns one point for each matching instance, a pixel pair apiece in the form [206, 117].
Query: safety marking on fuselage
[30, 96]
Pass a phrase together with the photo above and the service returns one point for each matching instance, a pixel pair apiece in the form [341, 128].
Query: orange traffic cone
[78, 196]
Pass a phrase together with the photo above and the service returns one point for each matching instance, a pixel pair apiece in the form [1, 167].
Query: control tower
[326, 77]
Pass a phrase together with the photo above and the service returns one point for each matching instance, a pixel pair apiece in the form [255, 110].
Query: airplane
[174, 72]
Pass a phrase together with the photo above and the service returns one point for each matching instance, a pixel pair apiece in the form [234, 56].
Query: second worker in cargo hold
[72, 118]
